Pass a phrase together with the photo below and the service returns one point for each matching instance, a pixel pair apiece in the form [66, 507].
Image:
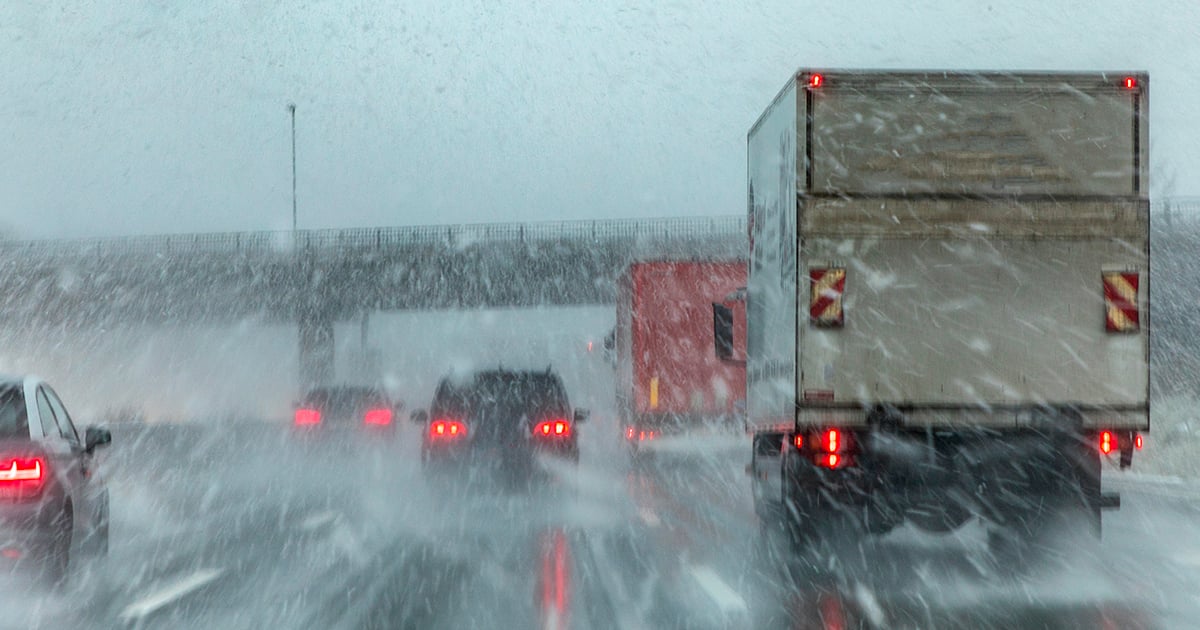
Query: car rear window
[344, 403]
[507, 395]
[14, 420]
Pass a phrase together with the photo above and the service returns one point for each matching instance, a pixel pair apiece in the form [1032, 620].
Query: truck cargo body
[668, 380]
[950, 271]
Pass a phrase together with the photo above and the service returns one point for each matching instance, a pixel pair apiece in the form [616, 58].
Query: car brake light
[22, 477]
[447, 430]
[1108, 442]
[378, 417]
[552, 428]
[308, 416]
[21, 470]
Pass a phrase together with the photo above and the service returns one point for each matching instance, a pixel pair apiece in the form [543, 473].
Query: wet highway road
[238, 528]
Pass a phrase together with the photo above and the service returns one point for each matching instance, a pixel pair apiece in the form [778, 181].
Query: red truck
[668, 379]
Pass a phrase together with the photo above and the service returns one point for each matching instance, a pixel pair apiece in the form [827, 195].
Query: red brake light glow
[22, 477]
[1129, 83]
[447, 430]
[308, 416]
[378, 417]
[816, 80]
[798, 441]
[1137, 441]
[552, 428]
[1108, 442]
[21, 470]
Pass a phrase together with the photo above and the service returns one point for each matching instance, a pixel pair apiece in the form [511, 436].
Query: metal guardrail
[379, 238]
[1181, 212]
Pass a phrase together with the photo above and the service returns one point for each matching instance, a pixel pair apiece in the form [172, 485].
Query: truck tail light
[827, 285]
[22, 477]
[378, 417]
[1137, 441]
[1121, 302]
[832, 448]
[307, 417]
[1108, 442]
[446, 429]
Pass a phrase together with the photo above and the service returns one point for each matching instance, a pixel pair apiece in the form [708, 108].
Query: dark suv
[501, 419]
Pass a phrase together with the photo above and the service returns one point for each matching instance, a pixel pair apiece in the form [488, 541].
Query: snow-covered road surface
[230, 527]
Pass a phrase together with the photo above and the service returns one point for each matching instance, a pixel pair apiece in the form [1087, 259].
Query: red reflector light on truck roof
[1130, 83]
[1137, 441]
[816, 80]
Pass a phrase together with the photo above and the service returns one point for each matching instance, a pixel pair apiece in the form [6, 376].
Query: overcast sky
[166, 116]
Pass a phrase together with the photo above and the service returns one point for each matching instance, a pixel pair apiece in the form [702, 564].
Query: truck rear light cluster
[1114, 441]
[1108, 442]
[22, 477]
[1119, 442]
[830, 448]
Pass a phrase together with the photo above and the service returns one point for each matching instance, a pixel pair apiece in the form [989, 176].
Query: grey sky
[147, 117]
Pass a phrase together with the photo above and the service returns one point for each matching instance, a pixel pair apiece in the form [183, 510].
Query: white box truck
[947, 299]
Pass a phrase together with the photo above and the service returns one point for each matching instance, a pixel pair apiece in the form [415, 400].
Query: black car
[53, 499]
[500, 419]
[346, 410]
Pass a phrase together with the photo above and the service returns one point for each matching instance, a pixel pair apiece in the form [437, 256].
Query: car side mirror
[419, 416]
[96, 436]
[581, 415]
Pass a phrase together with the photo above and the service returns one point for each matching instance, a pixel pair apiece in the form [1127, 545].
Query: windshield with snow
[601, 314]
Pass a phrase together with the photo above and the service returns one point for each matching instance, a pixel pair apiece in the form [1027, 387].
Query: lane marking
[318, 520]
[725, 597]
[147, 605]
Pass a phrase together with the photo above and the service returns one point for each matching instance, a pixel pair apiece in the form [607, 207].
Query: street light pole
[292, 110]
